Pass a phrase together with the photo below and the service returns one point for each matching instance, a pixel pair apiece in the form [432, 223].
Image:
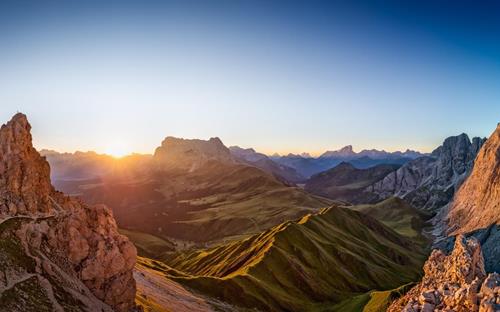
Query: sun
[118, 149]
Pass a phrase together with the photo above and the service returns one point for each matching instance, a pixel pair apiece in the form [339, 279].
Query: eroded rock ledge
[456, 282]
[58, 232]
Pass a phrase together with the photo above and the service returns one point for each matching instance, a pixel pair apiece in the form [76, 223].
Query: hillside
[347, 183]
[398, 215]
[204, 196]
[309, 264]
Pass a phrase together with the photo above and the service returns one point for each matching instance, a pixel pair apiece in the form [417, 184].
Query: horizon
[118, 152]
[305, 77]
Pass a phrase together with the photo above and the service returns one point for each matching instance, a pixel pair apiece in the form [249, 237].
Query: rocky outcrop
[190, 155]
[477, 203]
[430, 182]
[455, 282]
[64, 239]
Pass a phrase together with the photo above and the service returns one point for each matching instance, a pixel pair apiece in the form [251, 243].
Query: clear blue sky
[284, 76]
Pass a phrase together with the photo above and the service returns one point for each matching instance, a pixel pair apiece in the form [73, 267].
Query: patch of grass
[305, 265]
[149, 245]
[399, 216]
[380, 300]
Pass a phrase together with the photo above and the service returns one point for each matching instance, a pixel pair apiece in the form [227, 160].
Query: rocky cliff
[430, 182]
[191, 154]
[56, 253]
[477, 203]
[455, 282]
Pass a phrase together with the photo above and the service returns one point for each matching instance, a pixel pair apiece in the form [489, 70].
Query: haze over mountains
[228, 229]
[308, 166]
[194, 190]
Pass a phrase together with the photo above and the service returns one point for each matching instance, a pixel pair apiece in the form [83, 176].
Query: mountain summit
[429, 182]
[57, 253]
[345, 151]
[191, 154]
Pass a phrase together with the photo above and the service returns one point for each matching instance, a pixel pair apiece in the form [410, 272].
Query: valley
[217, 230]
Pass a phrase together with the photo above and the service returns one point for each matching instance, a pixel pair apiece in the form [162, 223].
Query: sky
[278, 76]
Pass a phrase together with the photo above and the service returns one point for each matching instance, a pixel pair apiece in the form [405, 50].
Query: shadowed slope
[308, 264]
[398, 215]
[347, 183]
[194, 190]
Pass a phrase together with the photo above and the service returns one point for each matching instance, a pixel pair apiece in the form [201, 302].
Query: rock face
[66, 240]
[191, 154]
[455, 282]
[477, 203]
[430, 182]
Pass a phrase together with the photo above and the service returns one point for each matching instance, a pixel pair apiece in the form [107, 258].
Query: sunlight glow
[118, 149]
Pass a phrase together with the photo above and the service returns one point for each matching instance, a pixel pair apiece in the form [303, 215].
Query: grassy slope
[212, 203]
[309, 264]
[398, 215]
[149, 245]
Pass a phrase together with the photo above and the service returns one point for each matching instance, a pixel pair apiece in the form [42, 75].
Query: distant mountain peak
[191, 153]
[346, 151]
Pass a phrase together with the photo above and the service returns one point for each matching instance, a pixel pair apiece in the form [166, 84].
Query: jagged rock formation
[430, 182]
[261, 161]
[56, 253]
[477, 203]
[457, 282]
[191, 154]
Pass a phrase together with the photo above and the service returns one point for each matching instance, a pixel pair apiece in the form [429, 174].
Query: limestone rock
[477, 203]
[185, 154]
[60, 232]
[455, 282]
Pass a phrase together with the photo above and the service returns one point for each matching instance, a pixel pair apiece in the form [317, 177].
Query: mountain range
[429, 182]
[308, 166]
[193, 190]
[230, 229]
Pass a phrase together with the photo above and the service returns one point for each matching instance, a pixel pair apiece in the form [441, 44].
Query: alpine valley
[198, 226]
